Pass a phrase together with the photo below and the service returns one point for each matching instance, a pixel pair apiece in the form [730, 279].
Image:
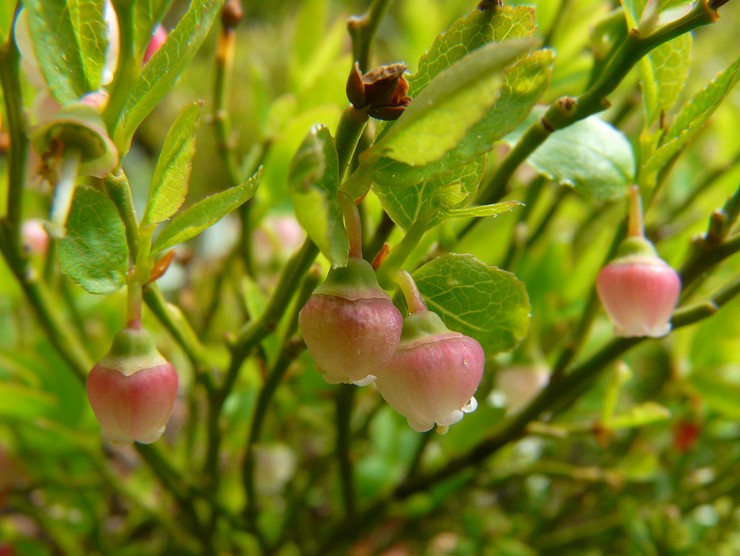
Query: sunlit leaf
[663, 73]
[161, 72]
[639, 415]
[204, 214]
[455, 100]
[693, 116]
[170, 180]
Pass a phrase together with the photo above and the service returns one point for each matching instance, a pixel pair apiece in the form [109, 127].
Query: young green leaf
[21, 402]
[313, 182]
[455, 100]
[161, 72]
[524, 83]
[481, 301]
[203, 214]
[639, 415]
[693, 116]
[593, 157]
[94, 253]
[7, 12]
[147, 13]
[470, 33]
[663, 73]
[70, 41]
[170, 180]
[482, 211]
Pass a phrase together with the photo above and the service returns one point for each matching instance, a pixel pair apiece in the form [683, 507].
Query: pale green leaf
[146, 14]
[433, 198]
[638, 416]
[469, 33]
[313, 182]
[203, 214]
[663, 73]
[719, 389]
[482, 211]
[170, 180]
[21, 402]
[455, 100]
[407, 191]
[161, 72]
[7, 11]
[95, 253]
[70, 42]
[693, 116]
[591, 156]
[481, 301]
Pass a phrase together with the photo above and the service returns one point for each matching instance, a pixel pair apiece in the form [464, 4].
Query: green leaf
[719, 388]
[524, 83]
[693, 116]
[482, 211]
[146, 14]
[94, 253]
[70, 42]
[203, 214]
[663, 73]
[639, 415]
[469, 33]
[21, 402]
[455, 100]
[313, 182]
[591, 156]
[161, 72]
[7, 12]
[481, 301]
[433, 198]
[170, 180]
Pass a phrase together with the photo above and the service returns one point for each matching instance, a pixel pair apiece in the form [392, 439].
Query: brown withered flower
[382, 91]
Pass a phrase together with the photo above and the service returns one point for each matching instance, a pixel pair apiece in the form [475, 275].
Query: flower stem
[362, 29]
[634, 222]
[353, 224]
[64, 192]
[410, 292]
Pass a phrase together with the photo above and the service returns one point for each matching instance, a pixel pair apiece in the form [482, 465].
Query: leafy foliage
[95, 252]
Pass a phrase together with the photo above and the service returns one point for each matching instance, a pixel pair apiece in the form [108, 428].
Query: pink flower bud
[132, 390]
[350, 325]
[639, 292]
[155, 43]
[35, 237]
[433, 375]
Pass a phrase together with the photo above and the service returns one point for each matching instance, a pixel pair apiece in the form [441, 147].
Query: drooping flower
[432, 378]
[350, 324]
[639, 290]
[132, 390]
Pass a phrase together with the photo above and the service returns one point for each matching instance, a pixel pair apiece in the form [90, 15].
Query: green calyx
[636, 247]
[133, 350]
[79, 127]
[425, 325]
[357, 280]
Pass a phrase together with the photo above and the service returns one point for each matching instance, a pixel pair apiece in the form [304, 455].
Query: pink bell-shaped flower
[132, 390]
[639, 290]
[434, 373]
[350, 325]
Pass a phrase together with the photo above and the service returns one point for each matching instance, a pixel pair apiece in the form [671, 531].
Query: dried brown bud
[382, 91]
[232, 14]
